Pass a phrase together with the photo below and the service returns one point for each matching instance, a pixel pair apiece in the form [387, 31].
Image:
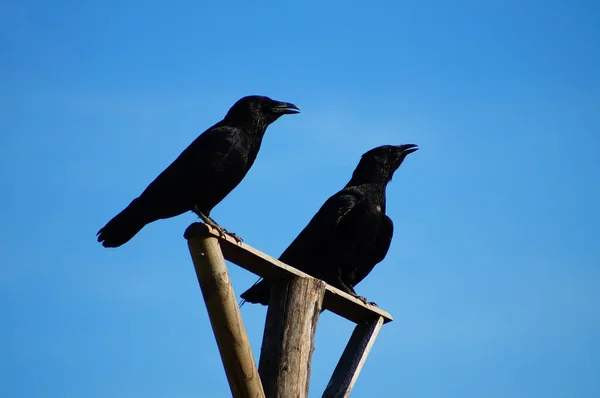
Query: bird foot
[365, 301]
[222, 231]
[237, 238]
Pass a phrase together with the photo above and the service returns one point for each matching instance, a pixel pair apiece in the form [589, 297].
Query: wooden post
[225, 317]
[294, 307]
[350, 364]
[288, 341]
[267, 267]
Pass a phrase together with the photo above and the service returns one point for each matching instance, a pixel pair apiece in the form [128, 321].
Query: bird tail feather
[123, 226]
[258, 293]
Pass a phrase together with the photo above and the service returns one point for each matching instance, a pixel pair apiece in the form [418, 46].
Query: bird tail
[124, 225]
[258, 294]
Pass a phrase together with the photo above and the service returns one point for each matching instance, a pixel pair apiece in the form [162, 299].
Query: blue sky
[493, 272]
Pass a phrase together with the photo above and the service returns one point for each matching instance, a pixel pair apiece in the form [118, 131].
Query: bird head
[259, 110]
[379, 164]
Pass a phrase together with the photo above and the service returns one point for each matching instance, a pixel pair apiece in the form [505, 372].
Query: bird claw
[365, 301]
[224, 233]
[235, 236]
[238, 239]
[362, 298]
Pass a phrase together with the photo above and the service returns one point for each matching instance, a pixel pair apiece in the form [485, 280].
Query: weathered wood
[268, 267]
[288, 340]
[225, 318]
[350, 364]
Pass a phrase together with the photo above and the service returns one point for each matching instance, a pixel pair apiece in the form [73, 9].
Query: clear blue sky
[493, 274]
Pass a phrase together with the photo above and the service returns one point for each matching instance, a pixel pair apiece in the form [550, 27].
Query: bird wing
[381, 245]
[202, 160]
[306, 252]
[322, 232]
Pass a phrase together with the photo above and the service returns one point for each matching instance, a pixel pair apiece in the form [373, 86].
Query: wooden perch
[295, 303]
[288, 341]
[225, 318]
[348, 368]
[263, 265]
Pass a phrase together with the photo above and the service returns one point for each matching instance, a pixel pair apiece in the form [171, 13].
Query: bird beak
[404, 151]
[407, 149]
[285, 108]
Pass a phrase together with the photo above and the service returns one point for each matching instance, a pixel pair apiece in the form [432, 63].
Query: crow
[350, 233]
[204, 173]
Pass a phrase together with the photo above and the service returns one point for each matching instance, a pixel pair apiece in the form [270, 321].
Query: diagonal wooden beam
[225, 318]
[270, 268]
[350, 364]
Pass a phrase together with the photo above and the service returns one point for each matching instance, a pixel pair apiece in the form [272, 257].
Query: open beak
[407, 149]
[404, 151]
[285, 108]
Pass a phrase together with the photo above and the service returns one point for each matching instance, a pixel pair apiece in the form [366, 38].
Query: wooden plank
[350, 364]
[288, 341]
[225, 318]
[270, 268]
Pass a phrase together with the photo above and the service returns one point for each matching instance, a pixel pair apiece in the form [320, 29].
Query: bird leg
[351, 292]
[209, 221]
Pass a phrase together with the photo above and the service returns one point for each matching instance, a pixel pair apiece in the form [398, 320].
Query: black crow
[350, 233]
[205, 172]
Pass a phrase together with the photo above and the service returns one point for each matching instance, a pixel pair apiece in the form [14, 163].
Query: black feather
[205, 172]
[350, 233]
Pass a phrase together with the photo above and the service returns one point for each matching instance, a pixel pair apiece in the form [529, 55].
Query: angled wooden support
[295, 303]
[350, 364]
[265, 266]
[288, 340]
[224, 314]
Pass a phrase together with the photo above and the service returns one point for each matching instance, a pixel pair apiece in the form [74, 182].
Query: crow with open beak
[350, 233]
[205, 172]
